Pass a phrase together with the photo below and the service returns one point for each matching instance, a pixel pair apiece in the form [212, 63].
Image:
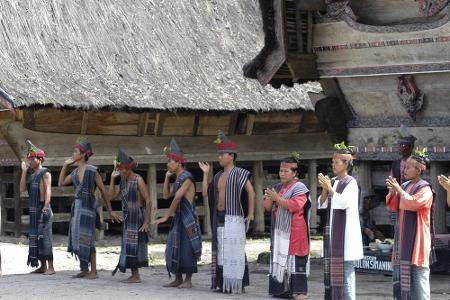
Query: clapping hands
[271, 194]
[444, 181]
[325, 182]
[392, 184]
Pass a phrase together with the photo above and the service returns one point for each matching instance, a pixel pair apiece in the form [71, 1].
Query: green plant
[341, 146]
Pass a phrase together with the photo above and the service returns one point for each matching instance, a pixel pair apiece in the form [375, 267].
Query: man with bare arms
[85, 178]
[184, 242]
[232, 202]
[136, 209]
[38, 185]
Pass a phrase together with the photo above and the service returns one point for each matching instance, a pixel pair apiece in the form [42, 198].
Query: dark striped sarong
[404, 240]
[333, 246]
[134, 251]
[82, 222]
[40, 234]
[295, 283]
[184, 242]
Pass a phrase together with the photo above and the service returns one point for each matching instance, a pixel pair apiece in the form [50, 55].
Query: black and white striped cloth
[280, 265]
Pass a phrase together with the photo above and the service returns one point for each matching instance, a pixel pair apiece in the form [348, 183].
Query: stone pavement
[17, 284]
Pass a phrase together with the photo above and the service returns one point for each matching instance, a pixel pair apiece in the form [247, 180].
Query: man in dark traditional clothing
[85, 178]
[342, 235]
[38, 186]
[405, 148]
[184, 242]
[136, 207]
[414, 230]
[232, 202]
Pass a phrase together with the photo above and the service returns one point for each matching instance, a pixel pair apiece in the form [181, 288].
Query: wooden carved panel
[431, 7]
[410, 95]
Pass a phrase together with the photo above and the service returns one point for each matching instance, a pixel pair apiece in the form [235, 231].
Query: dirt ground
[16, 283]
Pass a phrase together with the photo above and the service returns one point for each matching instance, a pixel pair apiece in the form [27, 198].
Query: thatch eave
[138, 55]
[150, 110]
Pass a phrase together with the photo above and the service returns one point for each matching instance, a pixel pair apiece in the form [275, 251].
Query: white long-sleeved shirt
[348, 200]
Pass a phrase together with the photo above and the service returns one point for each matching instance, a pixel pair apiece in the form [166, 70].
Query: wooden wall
[167, 123]
[264, 138]
[15, 219]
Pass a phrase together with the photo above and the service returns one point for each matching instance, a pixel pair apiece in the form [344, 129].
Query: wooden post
[233, 123]
[298, 21]
[363, 176]
[440, 203]
[59, 208]
[312, 178]
[310, 32]
[250, 123]
[153, 192]
[258, 177]
[196, 124]
[84, 122]
[159, 123]
[17, 206]
[143, 123]
[206, 215]
[2, 208]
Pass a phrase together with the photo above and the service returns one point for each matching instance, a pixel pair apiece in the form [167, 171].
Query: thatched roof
[143, 54]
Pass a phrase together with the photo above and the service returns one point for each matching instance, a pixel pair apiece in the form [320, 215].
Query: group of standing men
[231, 200]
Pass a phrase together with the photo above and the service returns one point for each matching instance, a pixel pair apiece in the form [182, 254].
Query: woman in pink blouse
[289, 204]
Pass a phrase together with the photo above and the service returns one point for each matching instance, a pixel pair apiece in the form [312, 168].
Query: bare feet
[174, 283]
[41, 270]
[185, 285]
[49, 272]
[80, 275]
[300, 297]
[91, 275]
[132, 279]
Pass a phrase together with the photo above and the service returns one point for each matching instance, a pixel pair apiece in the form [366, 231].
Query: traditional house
[133, 74]
[381, 63]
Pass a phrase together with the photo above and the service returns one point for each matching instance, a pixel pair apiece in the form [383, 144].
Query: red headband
[132, 165]
[176, 157]
[82, 150]
[227, 145]
[38, 154]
